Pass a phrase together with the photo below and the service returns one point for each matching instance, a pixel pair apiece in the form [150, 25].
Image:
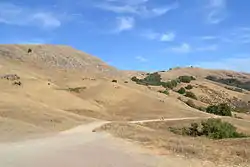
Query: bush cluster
[222, 109]
[186, 79]
[182, 91]
[211, 128]
[231, 82]
[155, 79]
[191, 95]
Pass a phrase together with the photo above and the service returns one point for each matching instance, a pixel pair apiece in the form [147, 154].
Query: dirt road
[80, 147]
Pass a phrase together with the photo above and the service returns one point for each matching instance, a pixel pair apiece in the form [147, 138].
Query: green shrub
[189, 87]
[211, 128]
[182, 90]
[216, 129]
[186, 79]
[170, 84]
[167, 85]
[191, 95]
[135, 79]
[153, 79]
[221, 109]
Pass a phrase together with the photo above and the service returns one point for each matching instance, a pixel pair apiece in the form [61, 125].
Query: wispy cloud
[237, 64]
[141, 59]
[168, 37]
[125, 23]
[216, 11]
[164, 37]
[209, 37]
[22, 16]
[242, 34]
[183, 48]
[238, 35]
[137, 7]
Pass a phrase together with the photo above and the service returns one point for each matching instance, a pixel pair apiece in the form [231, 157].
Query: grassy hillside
[49, 88]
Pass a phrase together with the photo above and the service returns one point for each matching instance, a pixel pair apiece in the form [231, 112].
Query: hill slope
[49, 88]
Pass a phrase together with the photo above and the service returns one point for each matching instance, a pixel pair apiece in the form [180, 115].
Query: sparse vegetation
[182, 91]
[231, 82]
[241, 109]
[170, 84]
[189, 87]
[235, 89]
[211, 128]
[153, 79]
[114, 80]
[11, 77]
[190, 103]
[164, 92]
[125, 81]
[191, 95]
[186, 79]
[77, 89]
[221, 109]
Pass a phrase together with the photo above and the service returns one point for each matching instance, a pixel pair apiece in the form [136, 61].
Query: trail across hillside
[80, 147]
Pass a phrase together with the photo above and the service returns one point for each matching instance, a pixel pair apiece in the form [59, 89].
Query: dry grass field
[55, 88]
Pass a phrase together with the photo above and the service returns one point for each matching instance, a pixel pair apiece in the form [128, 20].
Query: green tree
[221, 109]
[182, 90]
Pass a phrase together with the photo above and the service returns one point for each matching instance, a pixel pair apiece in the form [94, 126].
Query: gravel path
[80, 147]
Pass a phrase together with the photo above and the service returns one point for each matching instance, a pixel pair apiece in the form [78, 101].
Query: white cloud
[237, 64]
[168, 37]
[125, 23]
[207, 48]
[183, 48]
[209, 37]
[16, 15]
[46, 19]
[216, 11]
[141, 59]
[137, 7]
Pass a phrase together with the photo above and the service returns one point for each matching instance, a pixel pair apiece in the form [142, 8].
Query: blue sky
[137, 34]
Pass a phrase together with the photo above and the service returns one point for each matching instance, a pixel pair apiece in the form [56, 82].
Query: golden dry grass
[157, 137]
[43, 103]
